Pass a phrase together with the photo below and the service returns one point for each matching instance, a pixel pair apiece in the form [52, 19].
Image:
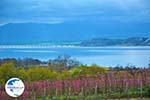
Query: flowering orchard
[110, 84]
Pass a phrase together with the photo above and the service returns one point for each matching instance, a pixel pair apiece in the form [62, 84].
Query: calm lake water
[104, 56]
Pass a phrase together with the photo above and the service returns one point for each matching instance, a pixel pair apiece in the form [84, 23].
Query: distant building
[44, 64]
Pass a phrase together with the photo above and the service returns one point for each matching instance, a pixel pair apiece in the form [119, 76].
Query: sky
[60, 11]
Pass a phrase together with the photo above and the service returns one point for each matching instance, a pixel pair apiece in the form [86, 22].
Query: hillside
[68, 31]
[134, 41]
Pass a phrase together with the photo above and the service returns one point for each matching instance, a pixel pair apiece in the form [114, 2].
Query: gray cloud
[51, 11]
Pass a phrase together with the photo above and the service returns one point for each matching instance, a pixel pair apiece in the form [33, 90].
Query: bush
[7, 71]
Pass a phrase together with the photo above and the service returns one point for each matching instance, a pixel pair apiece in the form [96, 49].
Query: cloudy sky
[59, 11]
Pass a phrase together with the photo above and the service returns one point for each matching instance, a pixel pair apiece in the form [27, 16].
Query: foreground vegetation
[80, 82]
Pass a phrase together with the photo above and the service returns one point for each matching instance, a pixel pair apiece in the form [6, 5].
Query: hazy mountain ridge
[70, 31]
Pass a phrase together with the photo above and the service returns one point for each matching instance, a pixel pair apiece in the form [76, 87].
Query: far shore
[67, 46]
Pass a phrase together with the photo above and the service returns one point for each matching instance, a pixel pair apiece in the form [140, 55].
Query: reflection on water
[105, 56]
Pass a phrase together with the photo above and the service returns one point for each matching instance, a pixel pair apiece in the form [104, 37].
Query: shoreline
[66, 46]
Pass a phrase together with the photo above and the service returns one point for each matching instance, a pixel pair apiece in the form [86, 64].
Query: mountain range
[69, 31]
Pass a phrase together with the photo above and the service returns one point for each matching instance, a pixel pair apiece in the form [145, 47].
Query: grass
[91, 97]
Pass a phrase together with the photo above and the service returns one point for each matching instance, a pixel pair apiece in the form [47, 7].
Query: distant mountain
[134, 41]
[70, 31]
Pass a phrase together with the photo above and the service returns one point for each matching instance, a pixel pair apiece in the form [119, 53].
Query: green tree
[7, 71]
[40, 73]
[22, 74]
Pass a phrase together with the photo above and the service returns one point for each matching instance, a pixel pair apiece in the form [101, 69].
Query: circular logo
[14, 87]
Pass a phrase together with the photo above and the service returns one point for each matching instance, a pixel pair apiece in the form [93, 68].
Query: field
[77, 83]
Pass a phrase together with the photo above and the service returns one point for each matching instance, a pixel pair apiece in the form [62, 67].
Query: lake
[104, 56]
